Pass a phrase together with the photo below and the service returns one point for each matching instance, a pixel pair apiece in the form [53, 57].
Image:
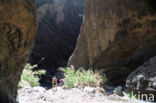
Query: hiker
[54, 82]
[61, 82]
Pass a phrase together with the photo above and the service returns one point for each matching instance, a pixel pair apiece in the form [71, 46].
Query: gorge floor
[74, 95]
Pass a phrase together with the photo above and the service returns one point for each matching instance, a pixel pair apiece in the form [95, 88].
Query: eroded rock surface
[143, 79]
[116, 36]
[17, 32]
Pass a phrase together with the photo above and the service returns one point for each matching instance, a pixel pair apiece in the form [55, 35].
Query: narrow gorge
[115, 37]
[59, 23]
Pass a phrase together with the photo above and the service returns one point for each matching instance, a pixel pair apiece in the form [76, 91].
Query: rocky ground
[74, 95]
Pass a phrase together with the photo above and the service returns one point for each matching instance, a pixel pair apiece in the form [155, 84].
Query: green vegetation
[82, 77]
[29, 77]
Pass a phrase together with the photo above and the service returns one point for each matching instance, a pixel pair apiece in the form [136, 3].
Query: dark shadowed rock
[143, 79]
[118, 90]
[59, 23]
[17, 32]
[116, 36]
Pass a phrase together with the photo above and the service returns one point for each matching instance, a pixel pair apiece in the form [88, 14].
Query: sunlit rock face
[59, 23]
[116, 36]
[17, 33]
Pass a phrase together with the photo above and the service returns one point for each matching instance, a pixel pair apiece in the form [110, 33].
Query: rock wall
[59, 23]
[143, 79]
[116, 36]
[17, 33]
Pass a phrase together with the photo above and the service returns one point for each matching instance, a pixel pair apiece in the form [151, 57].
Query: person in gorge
[54, 83]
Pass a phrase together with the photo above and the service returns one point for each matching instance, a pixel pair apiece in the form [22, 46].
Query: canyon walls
[17, 33]
[59, 23]
[116, 36]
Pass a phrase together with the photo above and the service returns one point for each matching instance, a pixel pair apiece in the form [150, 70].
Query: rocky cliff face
[17, 32]
[116, 36]
[59, 23]
[143, 79]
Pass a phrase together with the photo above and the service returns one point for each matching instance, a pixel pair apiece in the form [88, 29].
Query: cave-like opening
[59, 23]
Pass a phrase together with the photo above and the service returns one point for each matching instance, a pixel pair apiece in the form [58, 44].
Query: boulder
[116, 36]
[90, 89]
[118, 90]
[17, 33]
[39, 89]
[143, 79]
